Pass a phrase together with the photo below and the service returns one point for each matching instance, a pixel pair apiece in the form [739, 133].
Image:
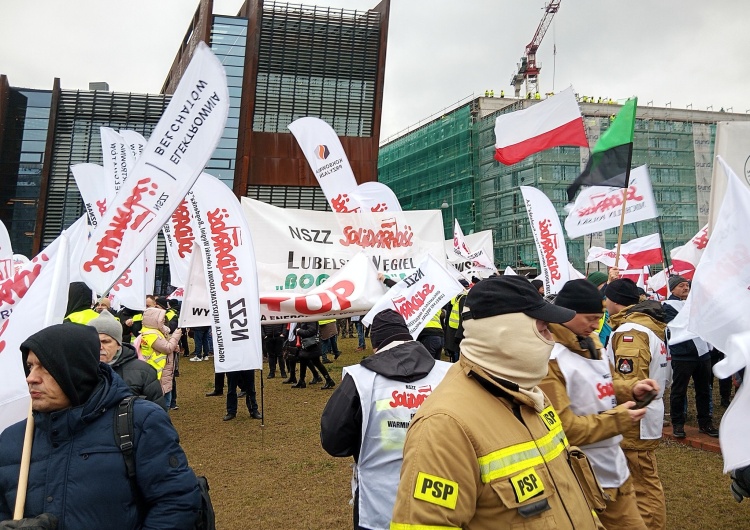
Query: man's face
[101, 307]
[46, 394]
[583, 324]
[150, 302]
[108, 348]
[681, 290]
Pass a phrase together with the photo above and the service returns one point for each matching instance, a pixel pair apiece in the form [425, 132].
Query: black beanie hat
[70, 353]
[581, 296]
[162, 302]
[623, 291]
[388, 326]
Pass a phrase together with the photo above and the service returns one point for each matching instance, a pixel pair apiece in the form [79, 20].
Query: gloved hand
[45, 521]
[740, 486]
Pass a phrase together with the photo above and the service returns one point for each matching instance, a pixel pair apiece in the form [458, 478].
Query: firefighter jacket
[638, 350]
[479, 456]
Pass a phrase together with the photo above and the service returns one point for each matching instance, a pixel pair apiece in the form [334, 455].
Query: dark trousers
[682, 371]
[434, 345]
[313, 364]
[273, 347]
[245, 379]
[725, 385]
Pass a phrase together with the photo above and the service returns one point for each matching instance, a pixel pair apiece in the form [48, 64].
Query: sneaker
[195, 359]
[256, 415]
[709, 430]
[174, 407]
[678, 431]
[326, 361]
[229, 417]
[336, 355]
[361, 348]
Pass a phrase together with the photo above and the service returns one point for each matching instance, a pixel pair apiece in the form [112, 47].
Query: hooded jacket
[79, 304]
[341, 422]
[139, 376]
[78, 472]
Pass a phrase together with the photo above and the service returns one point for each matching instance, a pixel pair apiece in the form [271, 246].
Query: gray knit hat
[674, 281]
[107, 324]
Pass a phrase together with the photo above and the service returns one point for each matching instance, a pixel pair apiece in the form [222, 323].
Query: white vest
[660, 370]
[590, 389]
[387, 409]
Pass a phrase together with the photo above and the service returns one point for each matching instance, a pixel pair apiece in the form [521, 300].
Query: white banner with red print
[231, 277]
[478, 258]
[549, 239]
[174, 157]
[419, 296]
[598, 208]
[179, 238]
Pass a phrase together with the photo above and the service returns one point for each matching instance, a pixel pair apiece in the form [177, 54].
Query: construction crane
[528, 70]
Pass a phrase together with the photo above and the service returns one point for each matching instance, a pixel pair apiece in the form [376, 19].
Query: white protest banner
[479, 240]
[116, 159]
[45, 288]
[351, 291]
[685, 259]
[196, 302]
[179, 238]
[177, 294]
[177, 151]
[130, 289]
[376, 197]
[598, 207]
[231, 278]
[6, 253]
[732, 143]
[297, 250]
[323, 150]
[509, 271]
[419, 296]
[134, 142]
[723, 276]
[574, 273]
[479, 260]
[94, 189]
[549, 239]
[78, 239]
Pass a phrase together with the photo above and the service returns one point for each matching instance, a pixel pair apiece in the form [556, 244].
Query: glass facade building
[675, 144]
[21, 162]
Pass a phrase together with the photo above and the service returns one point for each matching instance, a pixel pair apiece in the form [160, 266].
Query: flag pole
[664, 254]
[624, 203]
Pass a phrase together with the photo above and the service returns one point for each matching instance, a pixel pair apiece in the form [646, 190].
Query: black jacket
[273, 330]
[682, 351]
[139, 376]
[305, 330]
[341, 422]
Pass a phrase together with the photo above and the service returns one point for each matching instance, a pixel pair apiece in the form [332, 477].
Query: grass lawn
[276, 476]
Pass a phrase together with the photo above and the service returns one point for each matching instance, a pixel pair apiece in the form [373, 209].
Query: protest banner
[94, 190]
[42, 285]
[135, 144]
[179, 238]
[479, 240]
[598, 208]
[548, 237]
[376, 197]
[479, 259]
[418, 296]
[196, 301]
[323, 150]
[175, 154]
[719, 296]
[732, 144]
[231, 279]
[297, 250]
[117, 158]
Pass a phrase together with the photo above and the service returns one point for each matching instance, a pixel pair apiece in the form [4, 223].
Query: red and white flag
[554, 122]
[181, 144]
[179, 238]
[42, 285]
[639, 276]
[231, 275]
[549, 239]
[6, 253]
[607, 257]
[419, 296]
[634, 254]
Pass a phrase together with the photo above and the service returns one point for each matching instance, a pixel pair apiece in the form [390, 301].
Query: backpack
[125, 440]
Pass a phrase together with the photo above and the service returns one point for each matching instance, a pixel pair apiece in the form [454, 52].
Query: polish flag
[554, 122]
[639, 276]
[642, 251]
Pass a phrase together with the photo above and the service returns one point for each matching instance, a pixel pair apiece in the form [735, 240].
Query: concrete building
[449, 161]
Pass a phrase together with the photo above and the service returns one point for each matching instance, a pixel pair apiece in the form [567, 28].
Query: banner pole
[664, 254]
[624, 203]
[23, 475]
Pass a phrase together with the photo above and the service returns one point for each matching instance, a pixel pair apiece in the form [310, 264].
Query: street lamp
[445, 205]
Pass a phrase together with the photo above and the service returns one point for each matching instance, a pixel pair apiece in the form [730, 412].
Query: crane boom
[528, 70]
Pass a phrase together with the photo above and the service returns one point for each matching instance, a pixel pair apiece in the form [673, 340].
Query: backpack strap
[125, 441]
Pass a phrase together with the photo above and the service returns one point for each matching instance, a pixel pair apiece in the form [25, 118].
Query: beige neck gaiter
[509, 347]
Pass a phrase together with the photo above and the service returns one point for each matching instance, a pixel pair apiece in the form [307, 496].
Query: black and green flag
[609, 163]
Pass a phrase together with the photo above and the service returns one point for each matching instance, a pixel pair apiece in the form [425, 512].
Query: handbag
[309, 342]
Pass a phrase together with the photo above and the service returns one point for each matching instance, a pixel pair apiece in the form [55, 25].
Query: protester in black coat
[310, 355]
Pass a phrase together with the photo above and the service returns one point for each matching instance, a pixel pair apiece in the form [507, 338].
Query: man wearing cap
[690, 359]
[138, 375]
[368, 414]
[638, 350]
[487, 450]
[584, 389]
[78, 471]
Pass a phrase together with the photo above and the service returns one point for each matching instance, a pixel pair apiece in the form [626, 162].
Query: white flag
[480, 261]
[177, 151]
[732, 143]
[196, 302]
[325, 154]
[418, 297]
[6, 253]
[179, 238]
[92, 184]
[231, 276]
[718, 304]
[598, 208]
[134, 142]
[45, 288]
[116, 159]
[607, 257]
[549, 239]
[376, 197]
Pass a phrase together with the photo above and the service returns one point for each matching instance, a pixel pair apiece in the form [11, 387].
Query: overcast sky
[439, 51]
